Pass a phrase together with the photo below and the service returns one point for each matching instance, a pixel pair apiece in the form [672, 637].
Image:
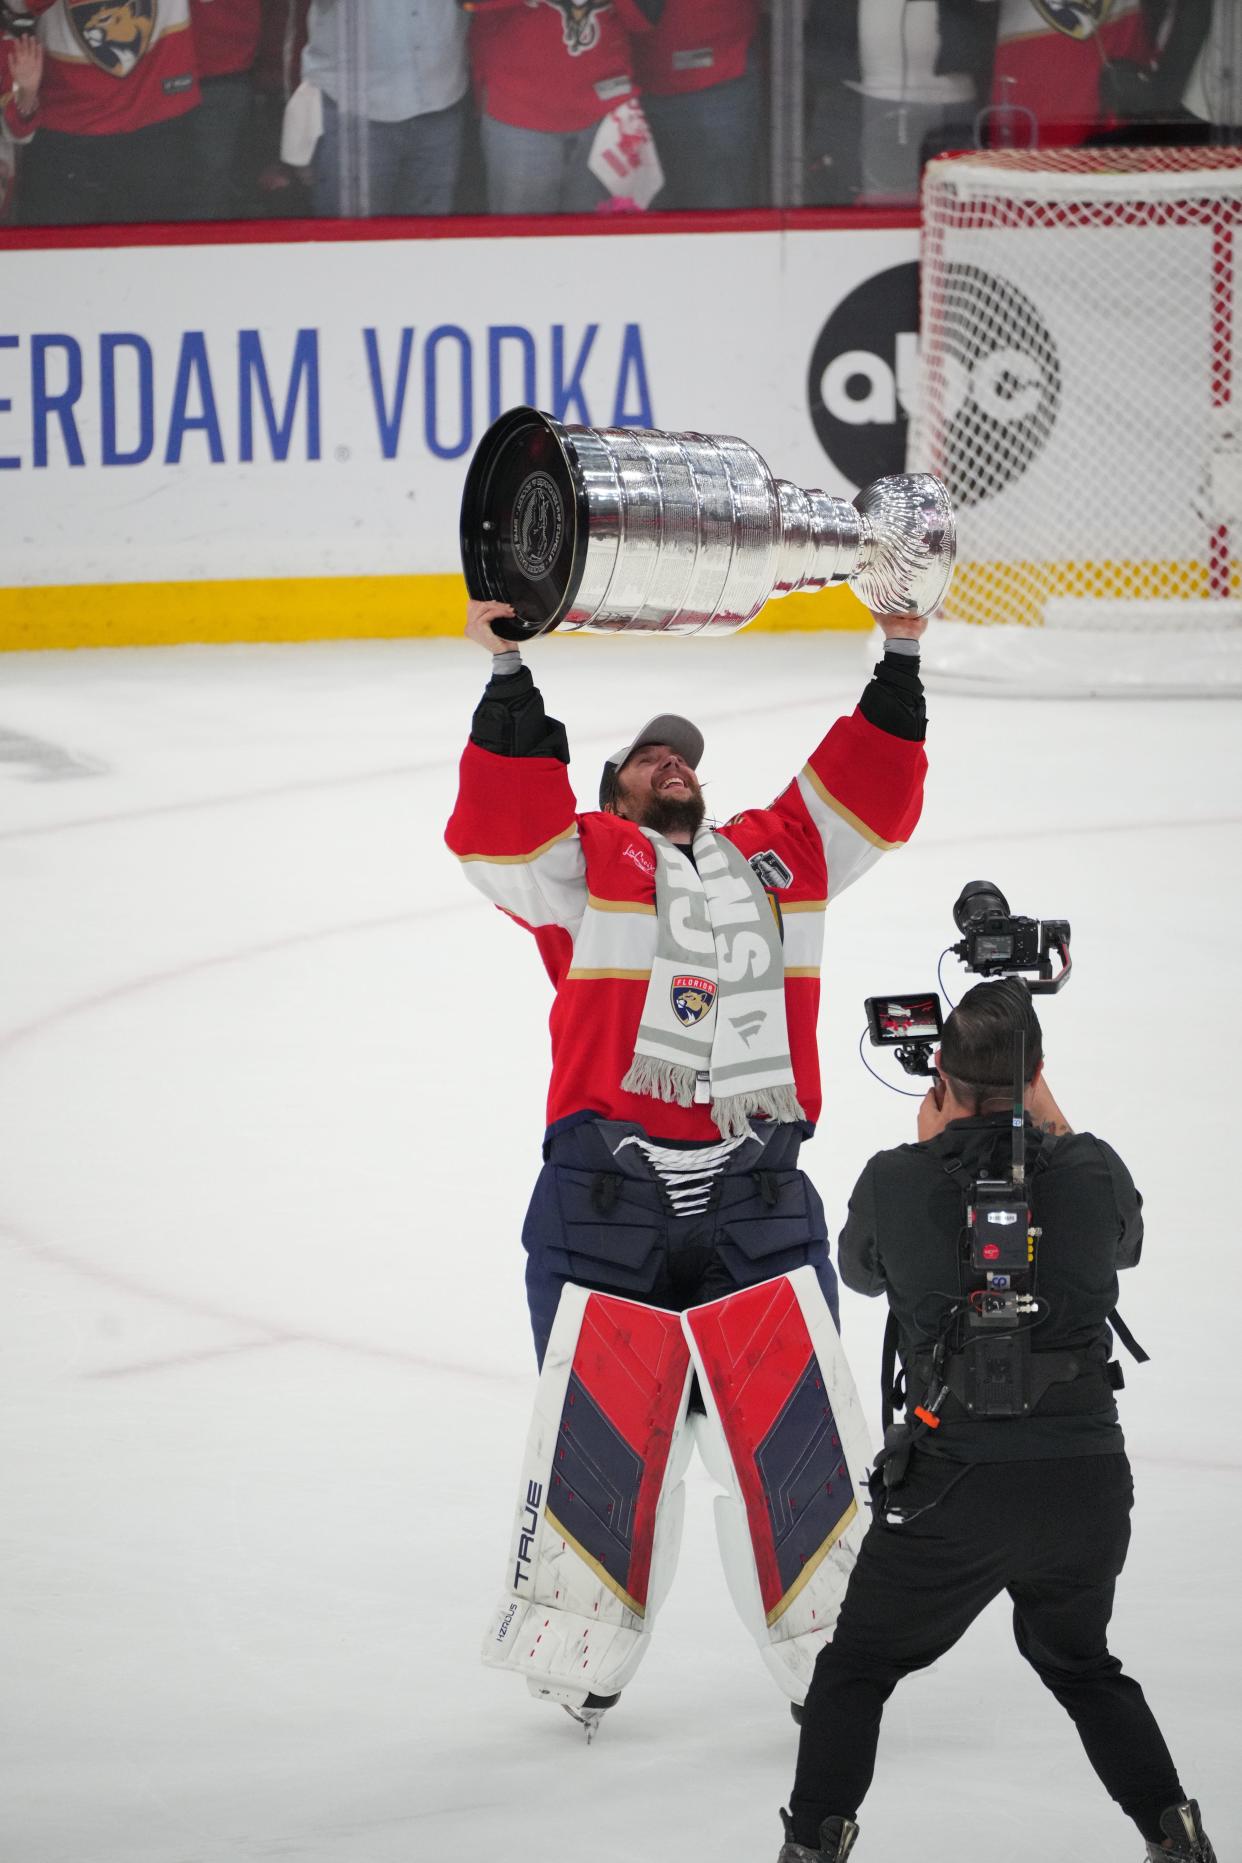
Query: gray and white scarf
[713, 1025]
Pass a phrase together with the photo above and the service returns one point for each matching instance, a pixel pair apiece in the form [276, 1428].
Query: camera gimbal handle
[915, 1057]
[1055, 937]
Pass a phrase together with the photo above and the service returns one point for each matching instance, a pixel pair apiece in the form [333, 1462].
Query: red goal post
[1080, 393]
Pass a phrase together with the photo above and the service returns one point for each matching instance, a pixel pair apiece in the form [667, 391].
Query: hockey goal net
[1077, 394]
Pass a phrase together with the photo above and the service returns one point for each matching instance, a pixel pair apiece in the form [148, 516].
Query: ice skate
[836, 1840]
[591, 1712]
[1184, 1836]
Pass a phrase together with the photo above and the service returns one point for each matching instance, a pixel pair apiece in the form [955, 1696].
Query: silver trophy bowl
[623, 530]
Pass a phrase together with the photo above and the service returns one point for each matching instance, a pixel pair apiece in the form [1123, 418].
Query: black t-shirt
[903, 1238]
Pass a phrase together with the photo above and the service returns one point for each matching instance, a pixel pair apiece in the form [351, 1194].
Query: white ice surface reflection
[271, 1093]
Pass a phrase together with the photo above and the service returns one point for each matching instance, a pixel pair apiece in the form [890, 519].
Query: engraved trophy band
[625, 530]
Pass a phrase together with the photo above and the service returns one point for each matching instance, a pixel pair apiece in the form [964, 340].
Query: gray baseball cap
[678, 733]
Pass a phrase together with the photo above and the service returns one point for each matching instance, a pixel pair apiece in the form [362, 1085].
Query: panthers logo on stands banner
[113, 33]
[1077, 19]
[581, 23]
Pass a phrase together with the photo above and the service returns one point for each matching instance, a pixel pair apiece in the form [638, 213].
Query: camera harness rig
[981, 1354]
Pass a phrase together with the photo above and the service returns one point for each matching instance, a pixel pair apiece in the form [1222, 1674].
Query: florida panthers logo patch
[580, 23]
[1077, 19]
[114, 34]
[692, 998]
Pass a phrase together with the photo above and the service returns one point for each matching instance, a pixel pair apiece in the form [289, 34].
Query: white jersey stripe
[849, 848]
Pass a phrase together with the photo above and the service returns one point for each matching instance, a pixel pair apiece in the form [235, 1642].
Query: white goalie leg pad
[786, 1438]
[600, 1499]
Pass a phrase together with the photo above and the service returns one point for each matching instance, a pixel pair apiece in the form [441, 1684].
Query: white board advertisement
[171, 413]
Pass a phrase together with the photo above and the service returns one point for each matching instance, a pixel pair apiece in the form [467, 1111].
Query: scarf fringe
[663, 1080]
[732, 1113]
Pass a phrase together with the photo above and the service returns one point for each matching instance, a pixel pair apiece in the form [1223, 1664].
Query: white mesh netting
[1079, 329]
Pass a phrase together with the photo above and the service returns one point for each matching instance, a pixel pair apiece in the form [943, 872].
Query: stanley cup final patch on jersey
[114, 34]
[692, 998]
[774, 876]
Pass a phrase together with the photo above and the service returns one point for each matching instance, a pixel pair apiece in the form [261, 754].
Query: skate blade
[589, 1718]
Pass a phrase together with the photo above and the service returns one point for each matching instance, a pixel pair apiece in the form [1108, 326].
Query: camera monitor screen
[992, 948]
[892, 1020]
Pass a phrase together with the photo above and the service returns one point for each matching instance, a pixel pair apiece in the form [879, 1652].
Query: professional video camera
[982, 1351]
[994, 943]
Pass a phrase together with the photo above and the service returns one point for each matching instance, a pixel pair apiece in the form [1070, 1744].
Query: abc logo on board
[998, 380]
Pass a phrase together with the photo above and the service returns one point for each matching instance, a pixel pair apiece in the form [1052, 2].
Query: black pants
[143, 174]
[1054, 1536]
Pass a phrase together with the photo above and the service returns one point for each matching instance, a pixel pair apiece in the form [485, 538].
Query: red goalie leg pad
[624, 1398]
[756, 1353]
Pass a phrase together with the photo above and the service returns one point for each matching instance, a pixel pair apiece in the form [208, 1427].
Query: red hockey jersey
[585, 886]
[226, 35]
[552, 64]
[1057, 77]
[697, 43]
[114, 65]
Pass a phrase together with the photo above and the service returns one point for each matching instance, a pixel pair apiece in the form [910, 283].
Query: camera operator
[1036, 1504]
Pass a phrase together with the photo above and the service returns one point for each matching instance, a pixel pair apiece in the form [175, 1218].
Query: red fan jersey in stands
[585, 886]
[1055, 75]
[697, 43]
[114, 65]
[558, 65]
[226, 35]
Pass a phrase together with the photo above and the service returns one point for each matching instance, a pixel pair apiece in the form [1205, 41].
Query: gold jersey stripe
[802, 905]
[595, 904]
[808, 1571]
[847, 815]
[594, 976]
[521, 860]
[631, 1604]
[801, 970]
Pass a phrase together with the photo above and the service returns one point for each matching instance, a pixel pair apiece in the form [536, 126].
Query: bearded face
[658, 789]
[670, 815]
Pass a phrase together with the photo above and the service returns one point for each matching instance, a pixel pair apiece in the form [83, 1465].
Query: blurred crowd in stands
[168, 110]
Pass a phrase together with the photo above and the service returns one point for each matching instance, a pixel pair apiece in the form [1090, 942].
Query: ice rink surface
[271, 1095]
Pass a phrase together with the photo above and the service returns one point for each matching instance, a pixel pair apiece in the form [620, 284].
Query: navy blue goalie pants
[603, 1218]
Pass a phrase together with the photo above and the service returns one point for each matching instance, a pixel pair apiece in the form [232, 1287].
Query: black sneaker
[1184, 1836]
[836, 1840]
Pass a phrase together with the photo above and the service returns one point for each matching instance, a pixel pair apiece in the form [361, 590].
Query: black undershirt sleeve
[893, 700]
[510, 720]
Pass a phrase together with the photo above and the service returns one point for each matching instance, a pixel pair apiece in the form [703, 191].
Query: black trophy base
[524, 522]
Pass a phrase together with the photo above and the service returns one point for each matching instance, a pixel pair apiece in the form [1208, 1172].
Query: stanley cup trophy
[622, 530]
